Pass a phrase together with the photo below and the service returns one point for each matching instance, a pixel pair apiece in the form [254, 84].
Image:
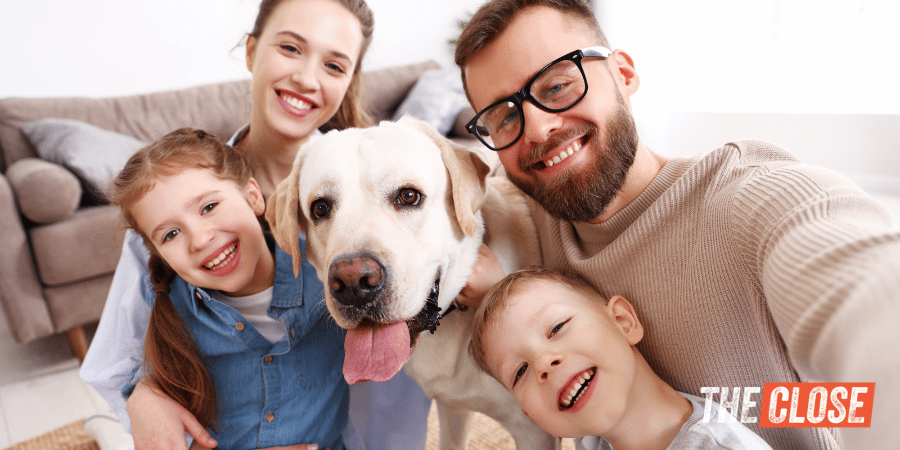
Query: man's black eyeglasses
[559, 86]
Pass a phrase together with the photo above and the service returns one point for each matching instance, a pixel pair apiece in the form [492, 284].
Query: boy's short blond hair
[496, 298]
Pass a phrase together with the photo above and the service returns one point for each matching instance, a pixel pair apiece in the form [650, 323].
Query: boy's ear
[623, 314]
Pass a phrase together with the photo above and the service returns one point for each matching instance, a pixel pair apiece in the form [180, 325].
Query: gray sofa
[59, 243]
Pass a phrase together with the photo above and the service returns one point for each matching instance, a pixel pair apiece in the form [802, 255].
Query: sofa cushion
[384, 89]
[86, 245]
[437, 99]
[45, 192]
[78, 303]
[94, 154]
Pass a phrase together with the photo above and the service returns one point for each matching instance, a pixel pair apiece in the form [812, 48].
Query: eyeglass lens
[557, 88]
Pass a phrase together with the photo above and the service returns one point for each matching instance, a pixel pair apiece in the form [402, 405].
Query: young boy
[570, 360]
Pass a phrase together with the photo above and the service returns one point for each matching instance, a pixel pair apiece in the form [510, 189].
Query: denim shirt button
[197, 294]
[240, 326]
[270, 417]
[268, 359]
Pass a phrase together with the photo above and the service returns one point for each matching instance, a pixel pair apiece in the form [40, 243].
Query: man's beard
[585, 195]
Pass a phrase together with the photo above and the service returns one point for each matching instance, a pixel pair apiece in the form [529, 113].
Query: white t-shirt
[696, 434]
[255, 309]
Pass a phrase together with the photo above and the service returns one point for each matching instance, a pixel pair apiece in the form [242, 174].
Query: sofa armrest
[20, 291]
[46, 192]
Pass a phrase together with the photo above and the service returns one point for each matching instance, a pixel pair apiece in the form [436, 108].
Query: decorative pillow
[94, 154]
[384, 89]
[437, 99]
[46, 192]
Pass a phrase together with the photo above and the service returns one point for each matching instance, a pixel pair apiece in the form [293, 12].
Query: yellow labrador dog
[394, 216]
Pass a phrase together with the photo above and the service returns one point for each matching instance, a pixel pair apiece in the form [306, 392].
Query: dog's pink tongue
[375, 352]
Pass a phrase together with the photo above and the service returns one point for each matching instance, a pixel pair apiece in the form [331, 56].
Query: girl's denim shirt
[290, 392]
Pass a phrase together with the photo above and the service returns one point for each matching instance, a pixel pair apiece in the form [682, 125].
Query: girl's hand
[159, 423]
[486, 273]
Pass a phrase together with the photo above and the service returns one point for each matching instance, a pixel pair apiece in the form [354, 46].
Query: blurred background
[818, 77]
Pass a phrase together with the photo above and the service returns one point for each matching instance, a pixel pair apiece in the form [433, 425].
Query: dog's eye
[408, 197]
[320, 209]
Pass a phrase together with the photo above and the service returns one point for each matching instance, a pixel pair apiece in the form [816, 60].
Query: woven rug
[486, 434]
[69, 437]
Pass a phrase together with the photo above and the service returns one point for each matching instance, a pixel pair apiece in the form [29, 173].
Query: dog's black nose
[355, 281]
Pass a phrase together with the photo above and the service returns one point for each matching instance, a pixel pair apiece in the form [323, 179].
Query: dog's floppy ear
[283, 215]
[468, 175]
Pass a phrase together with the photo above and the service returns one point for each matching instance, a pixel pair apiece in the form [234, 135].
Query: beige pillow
[46, 192]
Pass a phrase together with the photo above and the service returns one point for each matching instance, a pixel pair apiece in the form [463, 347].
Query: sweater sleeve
[829, 267]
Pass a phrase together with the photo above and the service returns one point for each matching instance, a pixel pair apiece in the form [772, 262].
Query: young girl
[305, 59]
[233, 337]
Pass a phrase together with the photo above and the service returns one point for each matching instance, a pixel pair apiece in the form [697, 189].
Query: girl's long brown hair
[351, 113]
[171, 357]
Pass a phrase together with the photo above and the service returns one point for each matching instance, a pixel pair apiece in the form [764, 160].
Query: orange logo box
[817, 405]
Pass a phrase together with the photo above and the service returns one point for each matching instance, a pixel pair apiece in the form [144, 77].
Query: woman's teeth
[575, 392]
[563, 154]
[222, 259]
[296, 102]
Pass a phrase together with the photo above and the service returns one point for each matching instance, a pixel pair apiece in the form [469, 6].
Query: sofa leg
[78, 342]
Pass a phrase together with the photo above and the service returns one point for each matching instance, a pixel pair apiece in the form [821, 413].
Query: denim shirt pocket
[320, 354]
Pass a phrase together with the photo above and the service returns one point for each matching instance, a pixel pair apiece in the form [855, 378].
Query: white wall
[100, 48]
[818, 77]
[711, 70]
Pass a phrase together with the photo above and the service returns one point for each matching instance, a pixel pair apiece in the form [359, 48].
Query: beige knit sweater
[746, 266]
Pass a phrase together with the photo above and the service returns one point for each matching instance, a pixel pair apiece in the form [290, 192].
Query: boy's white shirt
[696, 434]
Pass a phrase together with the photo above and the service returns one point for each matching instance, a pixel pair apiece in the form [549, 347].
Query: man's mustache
[539, 151]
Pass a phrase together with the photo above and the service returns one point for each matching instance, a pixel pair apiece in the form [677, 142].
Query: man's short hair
[493, 17]
[496, 298]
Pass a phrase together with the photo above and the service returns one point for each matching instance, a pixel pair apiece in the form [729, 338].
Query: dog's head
[392, 222]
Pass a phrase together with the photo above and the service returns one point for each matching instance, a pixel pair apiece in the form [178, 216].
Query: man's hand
[486, 273]
[159, 423]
